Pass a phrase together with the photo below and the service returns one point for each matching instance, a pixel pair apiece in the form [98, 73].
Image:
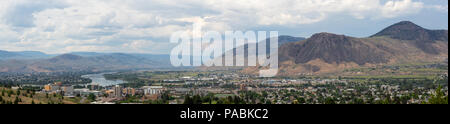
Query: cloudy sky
[145, 26]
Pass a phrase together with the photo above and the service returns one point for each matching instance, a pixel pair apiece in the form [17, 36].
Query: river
[101, 80]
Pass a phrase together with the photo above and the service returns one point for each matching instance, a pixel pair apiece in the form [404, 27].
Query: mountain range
[83, 61]
[5, 55]
[322, 53]
[88, 61]
[327, 53]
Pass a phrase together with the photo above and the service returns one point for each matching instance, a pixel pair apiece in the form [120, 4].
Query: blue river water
[99, 79]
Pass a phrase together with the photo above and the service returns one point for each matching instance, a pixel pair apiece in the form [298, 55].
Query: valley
[402, 64]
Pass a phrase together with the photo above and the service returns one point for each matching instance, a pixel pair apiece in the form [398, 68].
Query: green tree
[92, 97]
[9, 93]
[16, 101]
[330, 101]
[187, 99]
[438, 97]
[301, 100]
[197, 99]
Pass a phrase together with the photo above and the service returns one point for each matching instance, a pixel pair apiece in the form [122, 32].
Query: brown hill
[333, 48]
[407, 30]
[327, 53]
[422, 38]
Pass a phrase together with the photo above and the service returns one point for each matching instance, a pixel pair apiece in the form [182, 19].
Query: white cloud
[281, 12]
[396, 8]
[442, 8]
[7, 34]
[109, 25]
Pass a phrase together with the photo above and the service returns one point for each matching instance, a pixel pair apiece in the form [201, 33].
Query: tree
[301, 100]
[187, 99]
[16, 101]
[330, 100]
[358, 101]
[92, 97]
[197, 99]
[438, 97]
[32, 101]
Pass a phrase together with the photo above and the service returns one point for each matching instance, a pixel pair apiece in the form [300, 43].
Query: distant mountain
[14, 65]
[422, 38]
[407, 30]
[154, 57]
[87, 54]
[71, 63]
[66, 57]
[6, 55]
[324, 53]
[283, 39]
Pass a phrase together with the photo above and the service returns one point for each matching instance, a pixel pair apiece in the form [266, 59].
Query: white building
[151, 90]
[118, 91]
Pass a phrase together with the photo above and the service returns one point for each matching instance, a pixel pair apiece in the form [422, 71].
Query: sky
[145, 26]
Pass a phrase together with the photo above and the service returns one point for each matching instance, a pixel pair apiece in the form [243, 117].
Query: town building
[152, 90]
[118, 91]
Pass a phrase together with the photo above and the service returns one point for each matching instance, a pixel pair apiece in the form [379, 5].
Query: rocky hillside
[326, 53]
[333, 48]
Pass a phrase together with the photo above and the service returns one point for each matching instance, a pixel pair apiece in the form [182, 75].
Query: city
[224, 52]
[181, 87]
[224, 61]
